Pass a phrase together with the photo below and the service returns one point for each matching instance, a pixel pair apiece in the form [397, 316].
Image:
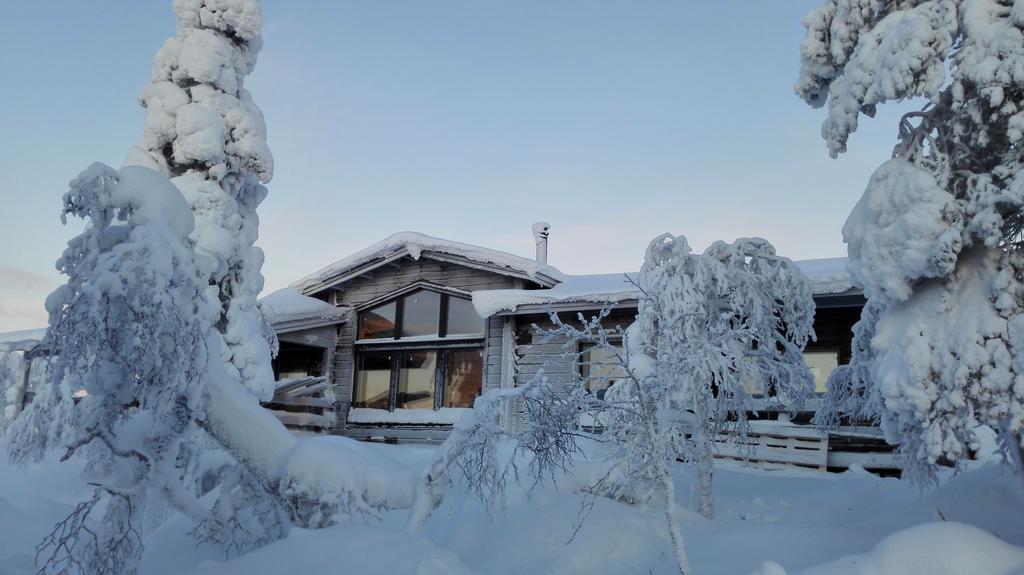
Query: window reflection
[462, 318]
[378, 322]
[422, 312]
[416, 376]
[463, 378]
[821, 362]
[373, 381]
[600, 368]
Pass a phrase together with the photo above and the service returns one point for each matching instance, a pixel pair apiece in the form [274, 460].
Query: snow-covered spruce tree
[204, 131]
[154, 334]
[935, 241]
[711, 328]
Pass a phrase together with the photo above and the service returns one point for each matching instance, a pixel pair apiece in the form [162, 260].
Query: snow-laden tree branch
[935, 242]
[712, 329]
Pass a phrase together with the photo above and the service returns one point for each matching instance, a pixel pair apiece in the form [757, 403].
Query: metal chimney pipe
[540, 237]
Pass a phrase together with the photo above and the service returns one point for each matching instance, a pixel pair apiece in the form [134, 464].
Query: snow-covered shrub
[935, 240]
[708, 326]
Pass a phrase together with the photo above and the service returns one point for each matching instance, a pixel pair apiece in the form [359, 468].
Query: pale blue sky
[613, 121]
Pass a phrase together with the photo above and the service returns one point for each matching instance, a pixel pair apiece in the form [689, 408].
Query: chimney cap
[540, 229]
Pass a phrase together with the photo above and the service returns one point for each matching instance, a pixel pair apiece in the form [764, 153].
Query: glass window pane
[599, 368]
[378, 322]
[462, 318]
[421, 315]
[821, 363]
[416, 377]
[464, 377]
[373, 381]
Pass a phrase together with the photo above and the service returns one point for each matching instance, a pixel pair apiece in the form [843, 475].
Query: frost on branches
[712, 330]
[131, 329]
[204, 131]
[935, 240]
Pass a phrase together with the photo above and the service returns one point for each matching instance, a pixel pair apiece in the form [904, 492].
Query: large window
[422, 314]
[422, 350]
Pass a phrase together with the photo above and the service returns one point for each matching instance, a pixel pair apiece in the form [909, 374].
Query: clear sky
[613, 121]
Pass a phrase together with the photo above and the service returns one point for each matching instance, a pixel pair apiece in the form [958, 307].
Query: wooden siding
[391, 278]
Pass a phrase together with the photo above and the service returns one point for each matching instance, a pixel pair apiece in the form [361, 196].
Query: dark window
[378, 322]
[421, 314]
[464, 377]
[417, 376]
[463, 319]
[373, 380]
[294, 360]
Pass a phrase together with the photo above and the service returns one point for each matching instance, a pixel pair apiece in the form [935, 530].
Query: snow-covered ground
[768, 522]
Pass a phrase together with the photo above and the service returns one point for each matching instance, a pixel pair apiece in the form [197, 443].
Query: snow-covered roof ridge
[288, 304]
[416, 244]
[828, 276]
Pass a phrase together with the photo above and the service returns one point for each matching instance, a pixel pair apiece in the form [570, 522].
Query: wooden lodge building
[395, 342]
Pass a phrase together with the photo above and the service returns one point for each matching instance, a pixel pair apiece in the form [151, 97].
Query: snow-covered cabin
[425, 325]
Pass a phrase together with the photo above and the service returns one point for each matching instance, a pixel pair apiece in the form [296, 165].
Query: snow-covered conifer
[935, 240]
[204, 131]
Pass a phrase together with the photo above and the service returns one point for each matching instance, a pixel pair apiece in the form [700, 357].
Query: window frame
[444, 353]
[442, 344]
[399, 300]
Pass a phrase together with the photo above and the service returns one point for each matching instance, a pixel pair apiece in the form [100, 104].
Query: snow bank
[344, 548]
[939, 548]
[416, 243]
[288, 304]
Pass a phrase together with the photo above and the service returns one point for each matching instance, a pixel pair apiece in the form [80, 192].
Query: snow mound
[416, 243]
[316, 551]
[938, 548]
[288, 304]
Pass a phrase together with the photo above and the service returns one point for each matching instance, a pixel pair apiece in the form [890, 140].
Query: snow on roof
[828, 276]
[416, 243]
[598, 288]
[21, 340]
[288, 304]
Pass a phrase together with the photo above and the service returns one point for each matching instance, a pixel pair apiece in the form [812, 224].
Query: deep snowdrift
[795, 519]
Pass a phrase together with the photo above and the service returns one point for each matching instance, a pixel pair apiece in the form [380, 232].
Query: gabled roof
[415, 245]
[828, 278]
